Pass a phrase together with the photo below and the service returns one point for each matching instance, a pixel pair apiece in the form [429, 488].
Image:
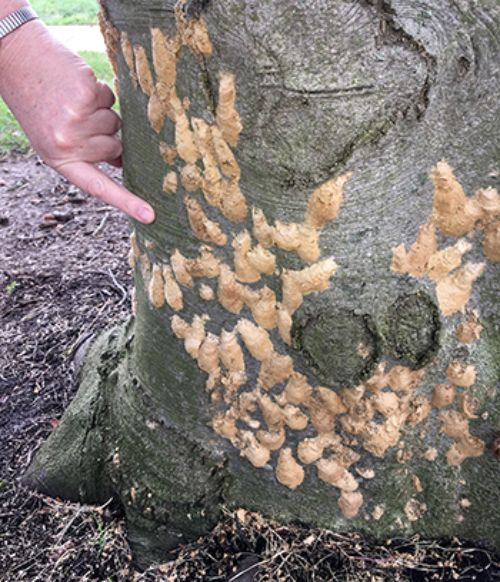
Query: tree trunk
[358, 392]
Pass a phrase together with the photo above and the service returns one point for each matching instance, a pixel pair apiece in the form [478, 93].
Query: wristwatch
[16, 19]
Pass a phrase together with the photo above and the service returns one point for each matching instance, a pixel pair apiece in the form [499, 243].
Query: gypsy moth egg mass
[288, 471]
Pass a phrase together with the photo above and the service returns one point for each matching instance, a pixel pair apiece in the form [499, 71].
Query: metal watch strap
[16, 19]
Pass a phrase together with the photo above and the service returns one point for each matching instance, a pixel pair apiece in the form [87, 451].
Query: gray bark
[384, 90]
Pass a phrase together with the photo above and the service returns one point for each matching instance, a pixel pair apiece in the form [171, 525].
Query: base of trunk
[170, 488]
[116, 441]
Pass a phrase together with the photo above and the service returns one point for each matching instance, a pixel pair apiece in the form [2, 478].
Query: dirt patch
[64, 277]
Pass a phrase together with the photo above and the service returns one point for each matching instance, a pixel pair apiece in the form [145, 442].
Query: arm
[64, 110]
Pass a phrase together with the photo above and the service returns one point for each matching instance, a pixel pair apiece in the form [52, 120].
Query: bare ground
[64, 277]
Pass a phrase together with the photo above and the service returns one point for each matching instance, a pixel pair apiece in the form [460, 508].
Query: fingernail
[145, 214]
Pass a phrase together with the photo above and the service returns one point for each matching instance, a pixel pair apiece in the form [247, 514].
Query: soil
[63, 278]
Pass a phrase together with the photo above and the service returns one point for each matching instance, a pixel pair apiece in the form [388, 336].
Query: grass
[58, 12]
[12, 138]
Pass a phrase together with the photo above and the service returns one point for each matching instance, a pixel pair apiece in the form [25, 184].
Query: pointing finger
[98, 184]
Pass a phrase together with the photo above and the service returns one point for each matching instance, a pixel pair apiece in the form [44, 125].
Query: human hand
[66, 113]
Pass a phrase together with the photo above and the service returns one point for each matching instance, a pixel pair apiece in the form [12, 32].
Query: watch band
[16, 19]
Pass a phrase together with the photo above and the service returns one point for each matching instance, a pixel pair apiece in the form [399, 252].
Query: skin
[65, 111]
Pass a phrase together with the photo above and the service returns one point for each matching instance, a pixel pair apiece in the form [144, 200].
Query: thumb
[94, 181]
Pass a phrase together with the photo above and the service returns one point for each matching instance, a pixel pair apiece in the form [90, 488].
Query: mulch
[63, 278]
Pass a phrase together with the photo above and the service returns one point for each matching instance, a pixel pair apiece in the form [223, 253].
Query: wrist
[14, 47]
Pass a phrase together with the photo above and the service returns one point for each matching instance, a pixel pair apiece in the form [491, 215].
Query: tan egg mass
[448, 259]
[232, 203]
[184, 138]
[418, 409]
[299, 238]
[180, 327]
[379, 379]
[170, 183]
[228, 119]
[276, 368]
[262, 230]
[489, 202]
[271, 440]
[296, 284]
[295, 418]
[322, 420]
[229, 292]
[331, 400]
[415, 261]
[350, 503]
[230, 352]
[262, 304]
[414, 509]
[443, 395]
[164, 51]
[469, 405]
[224, 423]
[250, 262]
[470, 329]
[380, 437]
[111, 39]
[208, 360]
[193, 32]
[311, 450]
[144, 75]
[454, 213]
[284, 323]
[168, 153]
[245, 272]
[491, 242]
[404, 379]
[254, 451]
[453, 423]
[191, 178]
[134, 245]
[206, 293]
[453, 292]
[225, 157]
[358, 418]
[205, 229]
[325, 201]
[262, 260]
[272, 413]
[193, 335]
[387, 403]
[297, 389]
[156, 115]
[256, 340]
[173, 293]
[205, 265]
[156, 287]
[129, 58]
[461, 374]
[288, 471]
[467, 446]
[212, 178]
[181, 268]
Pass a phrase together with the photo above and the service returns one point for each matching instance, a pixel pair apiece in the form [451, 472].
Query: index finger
[94, 181]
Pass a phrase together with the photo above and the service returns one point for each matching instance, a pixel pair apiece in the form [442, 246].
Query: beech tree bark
[353, 392]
